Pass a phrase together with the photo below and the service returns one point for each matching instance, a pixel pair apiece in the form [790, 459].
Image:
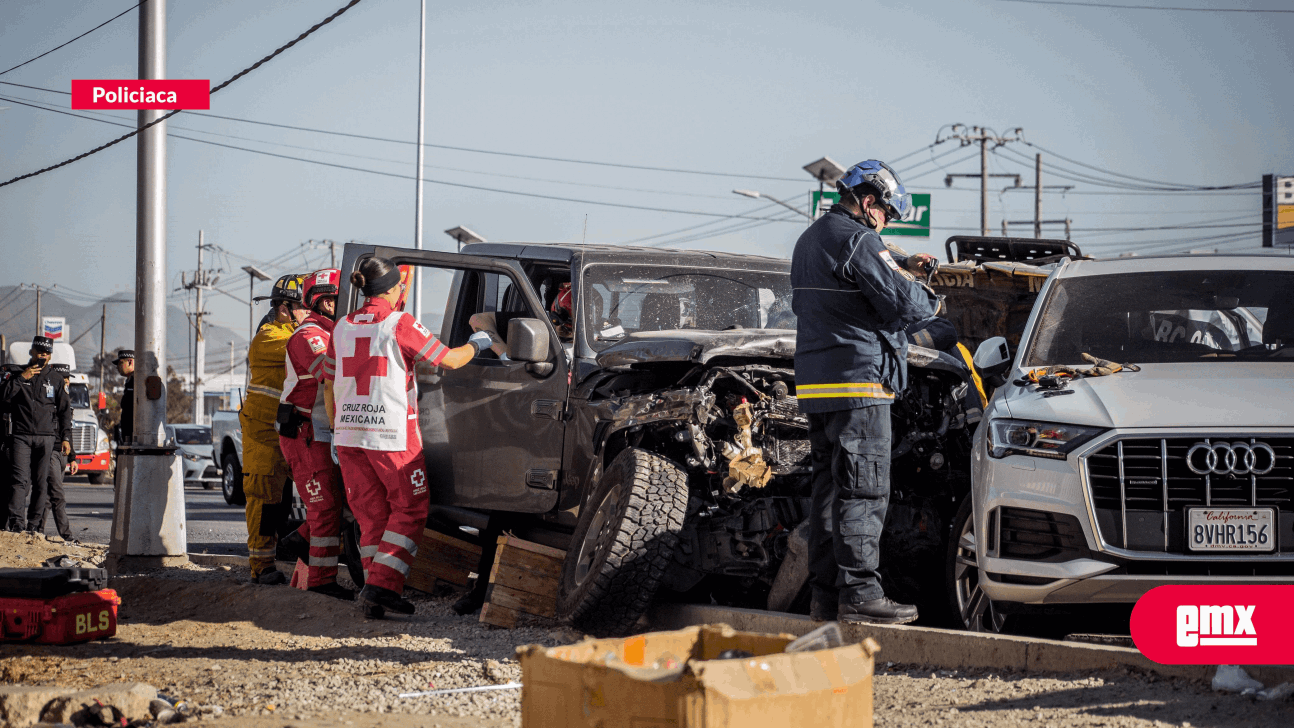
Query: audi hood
[1232, 394]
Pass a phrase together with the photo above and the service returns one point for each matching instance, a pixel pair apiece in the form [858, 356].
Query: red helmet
[560, 312]
[319, 284]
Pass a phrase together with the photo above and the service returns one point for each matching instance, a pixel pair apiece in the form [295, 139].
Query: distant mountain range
[18, 323]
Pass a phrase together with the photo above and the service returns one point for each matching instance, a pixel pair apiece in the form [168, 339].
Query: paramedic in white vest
[372, 402]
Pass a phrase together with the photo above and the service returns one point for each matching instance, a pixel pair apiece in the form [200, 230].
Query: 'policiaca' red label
[166, 94]
[1216, 625]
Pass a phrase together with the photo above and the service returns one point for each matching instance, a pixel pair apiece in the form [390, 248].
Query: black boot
[294, 547]
[335, 590]
[385, 598]
[270, 576]
[823, 610]
[467, 603]
[878, 611]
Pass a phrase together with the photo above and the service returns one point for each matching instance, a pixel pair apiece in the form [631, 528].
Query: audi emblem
[1231, 458]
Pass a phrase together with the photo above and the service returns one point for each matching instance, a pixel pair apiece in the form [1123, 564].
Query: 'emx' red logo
[1215, 625]
[167, 94]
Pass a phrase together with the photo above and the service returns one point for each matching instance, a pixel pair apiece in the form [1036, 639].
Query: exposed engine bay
[736, 429]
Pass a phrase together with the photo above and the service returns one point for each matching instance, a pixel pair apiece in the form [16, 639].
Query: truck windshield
[620, 300]
[79, 395]
[193, 435]
[1167, 316]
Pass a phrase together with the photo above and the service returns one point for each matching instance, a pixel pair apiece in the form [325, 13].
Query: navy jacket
[40, 406]
[850, 347]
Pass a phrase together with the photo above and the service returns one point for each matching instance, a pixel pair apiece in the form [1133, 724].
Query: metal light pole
[253, 274]
[148, 510]
[464, 236]
[787, 205]
[826, 171]
[422, 102]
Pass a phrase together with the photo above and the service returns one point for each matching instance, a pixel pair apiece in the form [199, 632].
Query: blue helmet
[882, 181]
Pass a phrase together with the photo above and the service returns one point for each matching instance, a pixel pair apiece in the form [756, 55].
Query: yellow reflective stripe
[263, 390]
[854, 385]
[970, 363]
[825, 395]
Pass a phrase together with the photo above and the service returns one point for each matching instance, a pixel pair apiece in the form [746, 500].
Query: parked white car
[194, 442]
[1180, 473]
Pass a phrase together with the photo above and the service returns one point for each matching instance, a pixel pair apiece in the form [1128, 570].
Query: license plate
[1231, 529]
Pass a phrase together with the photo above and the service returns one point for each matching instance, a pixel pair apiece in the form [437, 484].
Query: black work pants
[29, 464]
[850, 454]
[50, 497]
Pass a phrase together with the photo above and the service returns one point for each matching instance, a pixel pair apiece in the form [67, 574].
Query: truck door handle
[547, 409]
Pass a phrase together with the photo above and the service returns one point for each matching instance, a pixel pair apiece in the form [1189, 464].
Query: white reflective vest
[370, 391]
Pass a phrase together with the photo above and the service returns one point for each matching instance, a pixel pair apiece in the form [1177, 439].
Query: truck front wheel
[623, 543]
[96, 478]
[231, 480]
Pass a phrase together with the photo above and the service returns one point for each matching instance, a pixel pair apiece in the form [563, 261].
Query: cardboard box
[524, 579]
[673, 679]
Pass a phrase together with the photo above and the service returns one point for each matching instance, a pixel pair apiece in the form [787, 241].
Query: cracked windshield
[623, 300]
[1166, 317]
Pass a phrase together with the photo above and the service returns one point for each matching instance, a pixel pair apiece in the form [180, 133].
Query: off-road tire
[968, 607]
[231, 480]
[623, 543]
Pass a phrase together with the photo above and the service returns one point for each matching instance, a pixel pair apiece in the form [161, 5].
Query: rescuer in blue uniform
[853, 302]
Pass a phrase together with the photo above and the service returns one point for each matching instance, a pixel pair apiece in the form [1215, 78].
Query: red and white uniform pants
[388, 494]
[319, 484]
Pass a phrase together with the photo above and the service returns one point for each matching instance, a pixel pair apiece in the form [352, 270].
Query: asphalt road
[213, 527]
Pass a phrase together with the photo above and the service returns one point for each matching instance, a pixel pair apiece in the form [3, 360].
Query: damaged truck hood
[699, 346]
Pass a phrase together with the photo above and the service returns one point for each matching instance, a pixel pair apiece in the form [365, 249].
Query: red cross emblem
[363, 366]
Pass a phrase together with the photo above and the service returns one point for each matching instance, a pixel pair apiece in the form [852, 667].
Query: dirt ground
[271, 657]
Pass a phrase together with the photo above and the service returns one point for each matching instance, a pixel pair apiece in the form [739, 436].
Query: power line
[1076, 176]
[424, 179]
[1107, 171]
[1146, 7]
[214, 91]
[79, 37]
[45, 107]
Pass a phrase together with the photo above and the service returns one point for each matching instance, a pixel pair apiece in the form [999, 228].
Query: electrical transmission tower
[202, 280]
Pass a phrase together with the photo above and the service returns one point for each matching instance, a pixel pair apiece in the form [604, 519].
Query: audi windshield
[1167, 317]
[620, 300]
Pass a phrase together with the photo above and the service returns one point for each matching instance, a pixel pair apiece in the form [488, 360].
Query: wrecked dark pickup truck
[659, 441]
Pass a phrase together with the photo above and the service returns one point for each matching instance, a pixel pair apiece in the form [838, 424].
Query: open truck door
[492, 430]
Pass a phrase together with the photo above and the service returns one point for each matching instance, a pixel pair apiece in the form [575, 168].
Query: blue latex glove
[332, 448]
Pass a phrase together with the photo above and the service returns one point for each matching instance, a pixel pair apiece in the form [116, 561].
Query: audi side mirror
[528, 342]
[993, 359]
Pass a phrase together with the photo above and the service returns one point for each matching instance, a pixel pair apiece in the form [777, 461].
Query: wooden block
[526, 581]
[521, 601]
[528, 561]
[442, 557]
[499, 616]
[508, 540]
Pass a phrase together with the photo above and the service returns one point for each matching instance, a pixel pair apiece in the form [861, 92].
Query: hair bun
[357, 279]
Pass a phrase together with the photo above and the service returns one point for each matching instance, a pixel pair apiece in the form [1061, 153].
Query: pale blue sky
[748, 88]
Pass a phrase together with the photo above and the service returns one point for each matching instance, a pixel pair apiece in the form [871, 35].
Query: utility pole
[199, 342]
[148, 508]
[983, 135]
[332, 253]
[103, 335]
[422, 99]
[1037, 197]
[40, 328]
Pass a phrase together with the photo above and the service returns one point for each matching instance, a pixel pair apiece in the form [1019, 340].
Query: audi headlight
[1039, 439]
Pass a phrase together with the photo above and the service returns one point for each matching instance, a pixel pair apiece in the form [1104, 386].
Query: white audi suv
[1178, 469]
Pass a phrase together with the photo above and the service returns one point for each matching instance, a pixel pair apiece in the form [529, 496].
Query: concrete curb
[218, 560]
[949, 649]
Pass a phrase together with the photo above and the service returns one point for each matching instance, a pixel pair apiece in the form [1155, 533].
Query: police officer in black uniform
[125, 363]
[852, 302]
[49, 496]
[41, 417]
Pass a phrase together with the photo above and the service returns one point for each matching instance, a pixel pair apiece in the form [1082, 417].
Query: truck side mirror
[528, 340]
[993, 358]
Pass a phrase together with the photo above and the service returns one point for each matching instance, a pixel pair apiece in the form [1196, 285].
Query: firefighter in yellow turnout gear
[265, 472]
